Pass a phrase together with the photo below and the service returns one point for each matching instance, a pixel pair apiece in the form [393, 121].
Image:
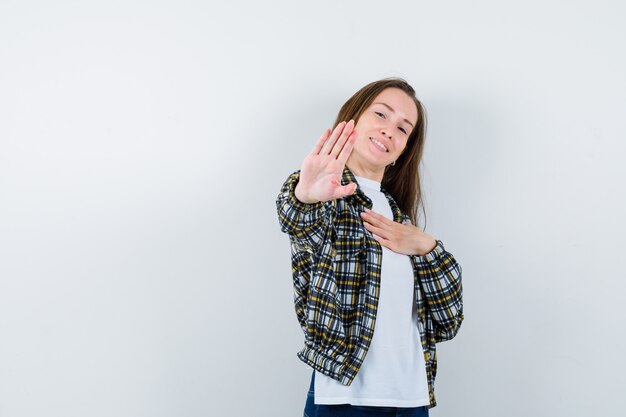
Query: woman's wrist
[301, 197]
[427, 246]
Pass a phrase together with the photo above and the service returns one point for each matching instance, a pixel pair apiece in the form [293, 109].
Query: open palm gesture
[321, 171]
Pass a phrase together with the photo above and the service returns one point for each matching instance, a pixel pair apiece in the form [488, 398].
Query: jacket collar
[359, 196]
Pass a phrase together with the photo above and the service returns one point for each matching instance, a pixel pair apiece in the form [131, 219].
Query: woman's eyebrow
[391, 109]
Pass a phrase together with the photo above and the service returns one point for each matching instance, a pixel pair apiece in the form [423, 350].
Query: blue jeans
[348, 410]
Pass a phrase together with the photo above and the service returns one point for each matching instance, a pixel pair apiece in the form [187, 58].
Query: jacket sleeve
[440, 277]
[305, 223]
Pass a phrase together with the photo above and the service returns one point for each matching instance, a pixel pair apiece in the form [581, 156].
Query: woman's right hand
[322, 169]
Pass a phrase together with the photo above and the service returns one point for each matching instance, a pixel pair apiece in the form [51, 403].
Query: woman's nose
[384, 133]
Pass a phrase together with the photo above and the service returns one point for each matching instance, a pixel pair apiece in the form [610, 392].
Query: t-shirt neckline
[368, 183]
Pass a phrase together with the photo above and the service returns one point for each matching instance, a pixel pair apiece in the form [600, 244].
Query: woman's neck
[361, 171]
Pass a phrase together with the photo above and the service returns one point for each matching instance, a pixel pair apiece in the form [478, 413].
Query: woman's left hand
[399, 237]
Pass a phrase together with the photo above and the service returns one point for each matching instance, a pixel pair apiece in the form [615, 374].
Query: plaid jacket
[336, 281]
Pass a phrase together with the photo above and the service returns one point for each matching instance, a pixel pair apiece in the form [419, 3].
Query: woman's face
[383, 130]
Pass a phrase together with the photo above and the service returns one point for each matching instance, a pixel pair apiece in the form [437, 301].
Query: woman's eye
[380, 114]
[403, 130]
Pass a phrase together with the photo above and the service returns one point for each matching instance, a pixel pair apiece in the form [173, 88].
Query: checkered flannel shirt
[336, 266]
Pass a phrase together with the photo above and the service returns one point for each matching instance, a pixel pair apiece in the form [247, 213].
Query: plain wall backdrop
[143, 144]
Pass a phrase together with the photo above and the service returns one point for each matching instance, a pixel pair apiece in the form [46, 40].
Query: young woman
[373, 293]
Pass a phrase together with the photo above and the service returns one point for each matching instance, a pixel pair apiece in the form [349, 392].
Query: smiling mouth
[379, 145]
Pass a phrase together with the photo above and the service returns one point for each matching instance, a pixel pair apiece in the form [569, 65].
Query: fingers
[398, 237]
[346, 190]
[324, 150]
[381, 240]
[347, 131]
[376, 219]
[347, 148]
[380, 231]
[378, 224]
[320, 142]
[330, 143]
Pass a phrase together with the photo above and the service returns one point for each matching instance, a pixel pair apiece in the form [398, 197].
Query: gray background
[142, 146]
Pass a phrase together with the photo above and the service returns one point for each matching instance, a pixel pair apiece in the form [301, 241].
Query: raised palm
[321, 171]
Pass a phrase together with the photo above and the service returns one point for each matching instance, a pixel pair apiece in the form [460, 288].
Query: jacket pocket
[348, 246]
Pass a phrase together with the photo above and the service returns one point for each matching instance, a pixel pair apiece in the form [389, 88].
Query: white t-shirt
[393, 373]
